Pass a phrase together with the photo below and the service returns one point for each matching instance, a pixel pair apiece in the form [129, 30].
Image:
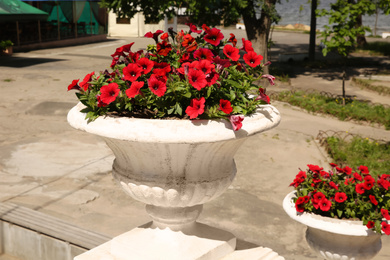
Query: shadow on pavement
[21, 62]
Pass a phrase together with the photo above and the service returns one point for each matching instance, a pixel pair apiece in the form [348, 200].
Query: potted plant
[6, 47]
[174, 116]
[345, 210]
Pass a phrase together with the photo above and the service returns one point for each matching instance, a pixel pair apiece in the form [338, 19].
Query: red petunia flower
[333, 185]
[373, 200]
[300, 204]
[121, 50]
[74, 85]
[347, 170]
[231, 52]
[154, 35]
[203, 53]
[340, 197]
[369, 178]
[164, 36]
[225, 106]
[385, 214]
[364, 169]
[386, 228]
[213, 36]
[212, 78]
[197, 79]
[360, 188]
[270, 78]
[221, 63]
[357, 176]
[246, 45]
[325, 205]
[193, 28]
[236, 121]
[315, 168]
[263, 96]
[114, 62]
[196, 107]
[233, 39]
[299, 178]
[163, 48]
[162, 65]
[370, 224]
[132, 72]
[145, 64]
[134, 89]
[109, 93]
[189, 43]
[368, 185]
[252, 59]
[205, 66]
[84, 84]
[383, 182]
[100, 103]
[205, 27]
[156, 86]
[318, 197]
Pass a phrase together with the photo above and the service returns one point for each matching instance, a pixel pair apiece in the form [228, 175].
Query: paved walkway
[50, 167]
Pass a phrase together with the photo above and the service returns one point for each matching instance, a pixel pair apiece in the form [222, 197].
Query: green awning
[16, 10]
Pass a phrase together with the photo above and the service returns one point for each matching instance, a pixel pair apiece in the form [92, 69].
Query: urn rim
[173, 131]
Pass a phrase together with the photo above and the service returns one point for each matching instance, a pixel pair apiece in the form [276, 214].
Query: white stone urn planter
[173, 166]
[335, 238]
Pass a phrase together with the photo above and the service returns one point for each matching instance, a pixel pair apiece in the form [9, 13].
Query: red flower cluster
[344, 193]
[202, 75]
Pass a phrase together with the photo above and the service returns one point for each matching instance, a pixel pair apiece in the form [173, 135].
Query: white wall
[137, 26]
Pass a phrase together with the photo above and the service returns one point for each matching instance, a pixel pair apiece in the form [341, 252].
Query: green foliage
[5, 44]
[360, 151]
[353, 109]
[343, 30]
[211, 12]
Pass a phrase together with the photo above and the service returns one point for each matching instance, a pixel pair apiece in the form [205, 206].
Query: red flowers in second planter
[109, 93]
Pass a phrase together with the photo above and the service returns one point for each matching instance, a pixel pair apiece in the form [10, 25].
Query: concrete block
[21, 243]
[52, 248]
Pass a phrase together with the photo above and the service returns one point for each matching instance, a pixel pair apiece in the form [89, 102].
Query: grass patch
[377, 48]
[353, 109]
[8, 80]
[360, 151]
[369, 84]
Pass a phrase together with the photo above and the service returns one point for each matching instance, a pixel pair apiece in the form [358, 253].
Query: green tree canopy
[258, 15]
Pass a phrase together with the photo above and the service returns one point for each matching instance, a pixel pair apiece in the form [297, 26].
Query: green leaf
[339, 213]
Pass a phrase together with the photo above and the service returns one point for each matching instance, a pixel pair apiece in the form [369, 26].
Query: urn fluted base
[343, 247]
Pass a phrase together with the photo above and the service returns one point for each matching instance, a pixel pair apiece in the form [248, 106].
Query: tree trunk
[313, 25]
[360, 39]
[257, 30]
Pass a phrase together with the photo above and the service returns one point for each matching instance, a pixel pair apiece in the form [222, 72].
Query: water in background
[291, 14]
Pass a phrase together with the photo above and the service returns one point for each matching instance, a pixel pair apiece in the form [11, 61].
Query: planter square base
[198, 242]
